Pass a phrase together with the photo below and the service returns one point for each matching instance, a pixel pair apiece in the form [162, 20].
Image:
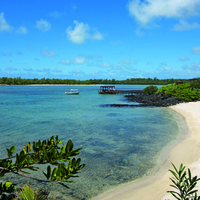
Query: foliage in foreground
[52, 151]
[184, 184]
[28, 194]
[183, 91]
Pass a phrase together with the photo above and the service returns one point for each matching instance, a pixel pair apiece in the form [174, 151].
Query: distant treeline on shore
[131, 81]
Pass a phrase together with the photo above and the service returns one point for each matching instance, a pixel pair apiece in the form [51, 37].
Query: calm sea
[119, 144]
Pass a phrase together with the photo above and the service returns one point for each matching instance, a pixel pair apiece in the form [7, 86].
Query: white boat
[72, 92]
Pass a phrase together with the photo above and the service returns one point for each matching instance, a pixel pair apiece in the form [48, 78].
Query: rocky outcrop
[158, 100]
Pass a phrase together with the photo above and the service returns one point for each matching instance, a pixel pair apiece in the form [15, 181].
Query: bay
[119, 145]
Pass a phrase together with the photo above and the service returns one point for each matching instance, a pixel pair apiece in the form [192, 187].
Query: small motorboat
[72, 92]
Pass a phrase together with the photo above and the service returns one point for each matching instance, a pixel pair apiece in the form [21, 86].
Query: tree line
[131, 81]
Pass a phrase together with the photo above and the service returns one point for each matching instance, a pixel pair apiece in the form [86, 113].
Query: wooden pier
[112, 90]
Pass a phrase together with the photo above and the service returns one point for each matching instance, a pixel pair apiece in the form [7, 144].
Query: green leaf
[48, 174]
[69, 146]
[8, 184]
[175, 168]
[10, 151]
[63, 185]
[53, 175]
[174, 174]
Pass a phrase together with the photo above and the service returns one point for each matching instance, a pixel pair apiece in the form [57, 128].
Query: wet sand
[186, 152]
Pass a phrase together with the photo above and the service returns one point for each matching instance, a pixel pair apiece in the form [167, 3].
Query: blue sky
[100, 39]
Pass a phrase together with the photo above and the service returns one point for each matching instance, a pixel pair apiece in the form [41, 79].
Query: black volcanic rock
[158, 100]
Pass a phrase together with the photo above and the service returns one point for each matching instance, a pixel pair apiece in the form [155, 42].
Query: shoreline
[186, 152]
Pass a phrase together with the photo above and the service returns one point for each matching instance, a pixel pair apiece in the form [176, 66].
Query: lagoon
[119, 144]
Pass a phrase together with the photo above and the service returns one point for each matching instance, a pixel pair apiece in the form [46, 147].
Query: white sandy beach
[186, 152]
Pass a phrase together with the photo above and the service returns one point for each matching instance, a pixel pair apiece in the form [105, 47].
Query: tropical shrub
[184, 184]
[170, 91]
[197, 91]
[195, 84]
[150, 90]
[52, 152]
[186, 94]
[164, 88]
[181, 91]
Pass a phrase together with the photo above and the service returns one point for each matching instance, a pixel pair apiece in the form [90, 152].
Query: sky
[100, 39]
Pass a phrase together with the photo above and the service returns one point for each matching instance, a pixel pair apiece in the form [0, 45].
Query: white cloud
[147, 10]
[28, 69]
[47, 70]
[22, 30]
[43, 25]
[126, 64]
[97, 36]
[166, 68]
[75, 60]
[49, 53]
[196, 50]
[56, 14]
[185, 26]
[183, 58]
[107, 64]
[65, 61]
[74, 7]
[11, 69]
[4, 26]
[81, 33]
[193, 67]
[95, 57]
[57, 70]
[79, 60]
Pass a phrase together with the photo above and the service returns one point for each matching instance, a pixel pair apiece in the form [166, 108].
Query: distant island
[131, 81]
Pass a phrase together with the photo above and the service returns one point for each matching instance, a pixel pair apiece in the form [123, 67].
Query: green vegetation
[131, 81]
[184, 91]
[184, 184]
[27, 193]
[196, 84]
[150, 90]
[52, 151]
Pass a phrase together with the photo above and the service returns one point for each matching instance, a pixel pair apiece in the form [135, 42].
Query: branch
[25, 175]
[7, 158]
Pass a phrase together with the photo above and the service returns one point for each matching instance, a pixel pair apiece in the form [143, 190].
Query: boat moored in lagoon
[72, 92]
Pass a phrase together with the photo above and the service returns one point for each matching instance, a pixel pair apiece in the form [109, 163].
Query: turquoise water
[119, 144]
